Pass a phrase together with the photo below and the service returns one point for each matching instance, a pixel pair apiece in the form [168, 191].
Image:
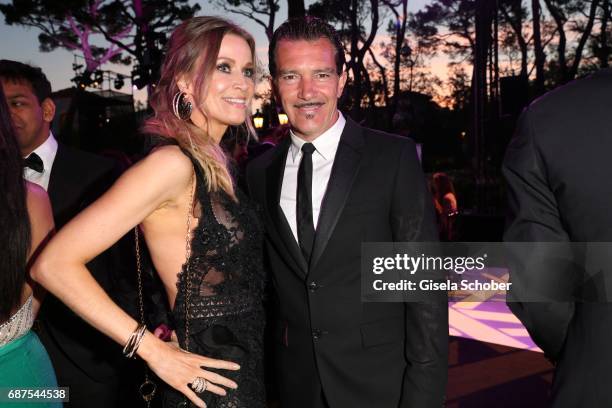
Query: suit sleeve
[251, 178]
[412, 219]
[533, 216]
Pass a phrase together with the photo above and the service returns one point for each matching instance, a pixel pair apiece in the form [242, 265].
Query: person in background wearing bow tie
[84, 359]
[70, 176]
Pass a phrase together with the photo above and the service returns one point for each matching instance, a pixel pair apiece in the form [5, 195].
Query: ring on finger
[199, 385]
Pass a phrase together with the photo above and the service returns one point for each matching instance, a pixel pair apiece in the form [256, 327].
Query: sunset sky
[21, 44]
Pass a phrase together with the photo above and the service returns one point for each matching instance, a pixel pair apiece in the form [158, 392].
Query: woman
[203, 235]
[26, 221]
[445, 203]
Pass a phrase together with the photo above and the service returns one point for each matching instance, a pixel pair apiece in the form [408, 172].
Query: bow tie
[34, 162]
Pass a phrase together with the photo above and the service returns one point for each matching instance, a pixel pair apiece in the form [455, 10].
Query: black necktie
[34, 162]
[305, 225]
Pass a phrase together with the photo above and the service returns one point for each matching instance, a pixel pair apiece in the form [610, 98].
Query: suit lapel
[345, 168]
[54, 189]
[274, 181]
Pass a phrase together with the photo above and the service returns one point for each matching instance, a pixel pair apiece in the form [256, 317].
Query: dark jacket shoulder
[388, 147]
[77, 179]
[70, 157]
[578, 96]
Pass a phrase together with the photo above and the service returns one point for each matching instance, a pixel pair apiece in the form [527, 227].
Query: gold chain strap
[187, 258]
[188, 284]
[148, 388]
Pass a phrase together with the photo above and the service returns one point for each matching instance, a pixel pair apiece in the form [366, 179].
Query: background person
[556, 169]
[26, 223]
[84, 359]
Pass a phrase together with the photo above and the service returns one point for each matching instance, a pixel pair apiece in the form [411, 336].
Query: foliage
[120, 31]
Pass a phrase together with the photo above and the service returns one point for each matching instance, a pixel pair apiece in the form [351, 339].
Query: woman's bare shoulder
[37, 200]
[170, 157]
[40, 214]
[163, 175]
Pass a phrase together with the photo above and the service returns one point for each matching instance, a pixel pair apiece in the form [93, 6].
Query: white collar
[326, 144]
[47, 151]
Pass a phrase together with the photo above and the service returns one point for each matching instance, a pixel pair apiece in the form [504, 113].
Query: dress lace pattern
[18, 324]
[226, 316]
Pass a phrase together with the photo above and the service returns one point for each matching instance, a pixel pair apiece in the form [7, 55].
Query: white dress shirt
[326, 146]
[46, 152]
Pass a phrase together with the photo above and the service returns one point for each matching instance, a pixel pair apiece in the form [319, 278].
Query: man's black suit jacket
[558, 168]
[328, 341]
[77, 179]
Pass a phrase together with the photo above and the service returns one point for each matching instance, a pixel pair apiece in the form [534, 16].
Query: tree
[153, 20]
[380, 84]
[132, 28]
[68, 25]
[409, 50]
[262, 12]
[401, 48]
[564, 13]
[540, 57]
[357, 51]
[296, 8]
[351, 18]
[453, 23]
[460, 88]
[513, 14]
[599, 46]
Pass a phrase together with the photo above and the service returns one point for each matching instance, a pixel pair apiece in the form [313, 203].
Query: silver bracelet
[134, 341]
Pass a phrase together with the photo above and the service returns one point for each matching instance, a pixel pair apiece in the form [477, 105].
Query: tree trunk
[271, 17]
[355, 68]
[583, 40]
[383, 76]
[559, 18]
[604, 48]
[399, 42]
[369, 89]
[296, 8]
[516, 22]
[540, 57]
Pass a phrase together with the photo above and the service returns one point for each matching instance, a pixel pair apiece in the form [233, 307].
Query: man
[557, 168]
[326, 189]
[84, 359]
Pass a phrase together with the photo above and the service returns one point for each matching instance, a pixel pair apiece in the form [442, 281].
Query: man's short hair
[307, 28]
[20, 72]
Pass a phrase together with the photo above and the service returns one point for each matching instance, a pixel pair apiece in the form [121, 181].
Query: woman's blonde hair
[192, 53]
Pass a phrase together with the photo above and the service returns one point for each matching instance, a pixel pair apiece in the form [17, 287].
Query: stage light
[119, 82]
[140, 77]
[83, 80]
[99, 76]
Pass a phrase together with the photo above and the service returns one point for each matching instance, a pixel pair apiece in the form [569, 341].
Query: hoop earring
[181, 106]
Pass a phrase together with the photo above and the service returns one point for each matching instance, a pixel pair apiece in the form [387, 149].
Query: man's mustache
[307, 104]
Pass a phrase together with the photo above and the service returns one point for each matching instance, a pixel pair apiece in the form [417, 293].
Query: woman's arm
[157, 181]
[41, 230]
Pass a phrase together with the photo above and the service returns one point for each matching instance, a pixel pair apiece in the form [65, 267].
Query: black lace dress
[225, 304]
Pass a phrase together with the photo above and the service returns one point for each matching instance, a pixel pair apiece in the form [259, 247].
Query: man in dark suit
[557, 169]
[326, 189]
[84, 359]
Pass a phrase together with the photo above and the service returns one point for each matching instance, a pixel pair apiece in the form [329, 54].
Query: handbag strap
[148, 388]
[188, 283]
